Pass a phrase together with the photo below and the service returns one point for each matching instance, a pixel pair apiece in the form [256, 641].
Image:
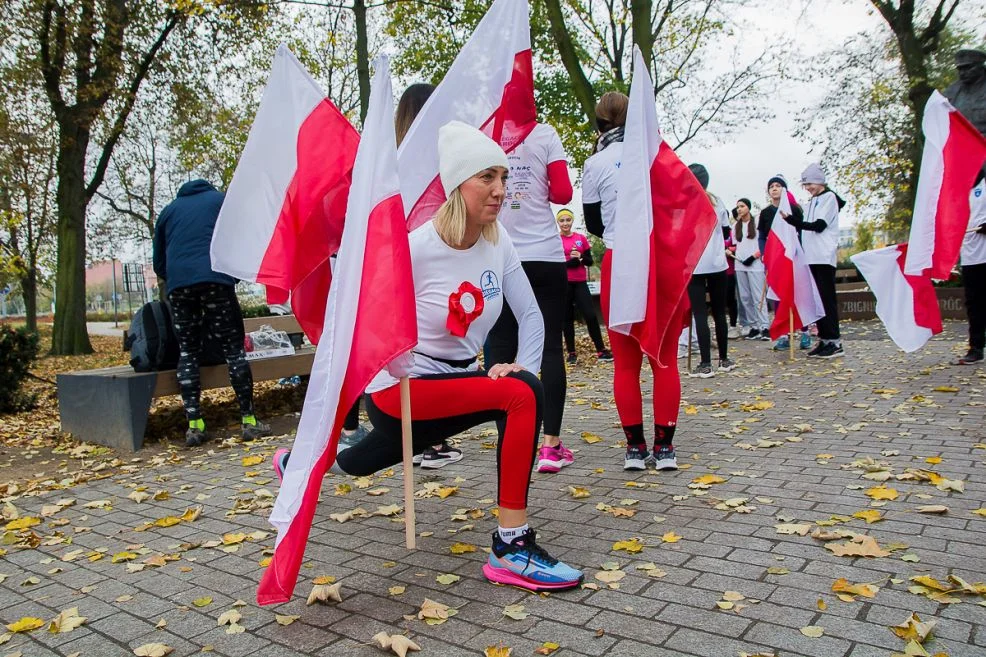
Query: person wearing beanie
[599, 184]
[466, 270]
[538, 176]
[578, 250]
[709, 278]
[776, 187]
[819, 231]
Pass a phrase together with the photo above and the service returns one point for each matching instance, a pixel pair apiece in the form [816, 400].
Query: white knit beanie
[464, 151]
[813, 175]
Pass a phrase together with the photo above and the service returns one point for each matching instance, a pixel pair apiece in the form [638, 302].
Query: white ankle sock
[507, 535]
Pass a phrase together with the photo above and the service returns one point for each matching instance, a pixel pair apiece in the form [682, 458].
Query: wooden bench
[110, 406]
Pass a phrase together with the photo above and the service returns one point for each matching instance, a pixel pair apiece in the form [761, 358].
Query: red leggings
[443, 405]
[627, 363]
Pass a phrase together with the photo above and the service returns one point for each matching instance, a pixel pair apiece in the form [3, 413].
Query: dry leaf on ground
[325, 593]
[397, 643]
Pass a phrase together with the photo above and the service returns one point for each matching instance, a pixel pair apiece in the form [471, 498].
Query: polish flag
[369, 321]
[663, 223]
[284, 210]
[954, 152]
[789, 278]
[907, 305]
[490, 85]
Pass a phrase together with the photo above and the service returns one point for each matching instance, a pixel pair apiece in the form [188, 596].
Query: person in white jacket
[820, 238]
[974, 273]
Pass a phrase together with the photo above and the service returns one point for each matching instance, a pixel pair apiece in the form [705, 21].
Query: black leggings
[715, 284]
[828, 326]
[549, 281]
[579, 295]
[974, 278]
[443, 405]
[731, 305]
[213, 305]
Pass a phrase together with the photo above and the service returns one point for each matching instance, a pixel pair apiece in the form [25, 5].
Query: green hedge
[18, 351]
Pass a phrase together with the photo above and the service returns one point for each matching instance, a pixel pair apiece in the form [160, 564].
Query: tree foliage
[867, 124]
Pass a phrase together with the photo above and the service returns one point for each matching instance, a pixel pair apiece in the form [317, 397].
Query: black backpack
[151, 339]
[154, 346]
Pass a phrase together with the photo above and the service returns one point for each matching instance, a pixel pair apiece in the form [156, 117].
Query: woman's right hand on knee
[502, 369]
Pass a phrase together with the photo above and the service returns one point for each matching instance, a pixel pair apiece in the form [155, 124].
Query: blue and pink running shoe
[280, 462]
[522, 563]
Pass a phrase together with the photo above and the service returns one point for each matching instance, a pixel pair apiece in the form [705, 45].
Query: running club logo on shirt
[978, 192]
[490, 284]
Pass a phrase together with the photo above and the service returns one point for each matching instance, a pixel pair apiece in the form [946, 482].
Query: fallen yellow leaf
[881, 493]
[26, 624]
[869, 515]
[670, 537]
[632, 546]
[250, 461]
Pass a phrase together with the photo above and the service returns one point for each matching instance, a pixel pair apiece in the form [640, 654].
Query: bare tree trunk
[643, 32]
[362, 58]
[29, 289]
[570, 58]
[70, 335]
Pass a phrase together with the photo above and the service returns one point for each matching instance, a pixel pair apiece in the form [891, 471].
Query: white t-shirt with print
[714, 257]
[974, 244]
[439, 271]
[599, 184]
[526, 212]
[746, 248]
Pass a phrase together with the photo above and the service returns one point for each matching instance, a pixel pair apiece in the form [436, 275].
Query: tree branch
[51, 67]
[128, 104]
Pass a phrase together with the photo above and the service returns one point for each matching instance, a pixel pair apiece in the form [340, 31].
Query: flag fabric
[663, 223]
[954, 152]
[789, 278]
[283, 213]
[906, 304]
[369, 321]
[490, 85]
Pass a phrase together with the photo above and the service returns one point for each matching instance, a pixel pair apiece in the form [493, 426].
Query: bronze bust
[968, 93]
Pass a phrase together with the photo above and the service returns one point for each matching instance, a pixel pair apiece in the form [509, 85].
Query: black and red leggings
[627, 362]
[443, 405]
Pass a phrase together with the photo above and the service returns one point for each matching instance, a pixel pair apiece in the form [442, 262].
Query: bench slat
[264, 369]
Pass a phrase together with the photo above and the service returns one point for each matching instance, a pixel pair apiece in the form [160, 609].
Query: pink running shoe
[280, 461]
[553, 459]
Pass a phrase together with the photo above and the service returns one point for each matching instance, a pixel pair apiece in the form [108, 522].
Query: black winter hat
[700, 173]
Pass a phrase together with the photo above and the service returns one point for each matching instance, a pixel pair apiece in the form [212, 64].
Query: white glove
[402, 365]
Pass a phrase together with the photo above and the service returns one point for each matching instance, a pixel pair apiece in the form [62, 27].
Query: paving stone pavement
[876, 402]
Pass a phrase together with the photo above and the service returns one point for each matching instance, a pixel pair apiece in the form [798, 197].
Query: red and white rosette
[464, 306]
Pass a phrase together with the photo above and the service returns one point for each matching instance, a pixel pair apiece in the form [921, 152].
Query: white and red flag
[369, 321]
[907, 305]
[663, 222]
[954, 152]
[789, 278]
[490, 85]
[284, 209]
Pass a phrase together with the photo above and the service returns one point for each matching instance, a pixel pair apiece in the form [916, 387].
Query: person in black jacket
[578, 252]
[201, 297]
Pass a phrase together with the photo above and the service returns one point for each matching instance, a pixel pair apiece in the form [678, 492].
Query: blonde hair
[450, 221]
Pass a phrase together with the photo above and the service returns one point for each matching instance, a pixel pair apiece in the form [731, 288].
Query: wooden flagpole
[763, 295]
[409, 529]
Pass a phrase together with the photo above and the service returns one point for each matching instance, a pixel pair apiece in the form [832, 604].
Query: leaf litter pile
[46, 515]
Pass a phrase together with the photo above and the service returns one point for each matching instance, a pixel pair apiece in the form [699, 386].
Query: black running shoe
[432, 459]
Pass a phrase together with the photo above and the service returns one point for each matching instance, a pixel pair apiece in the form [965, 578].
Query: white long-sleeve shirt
[439, 272]
[974, 243]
